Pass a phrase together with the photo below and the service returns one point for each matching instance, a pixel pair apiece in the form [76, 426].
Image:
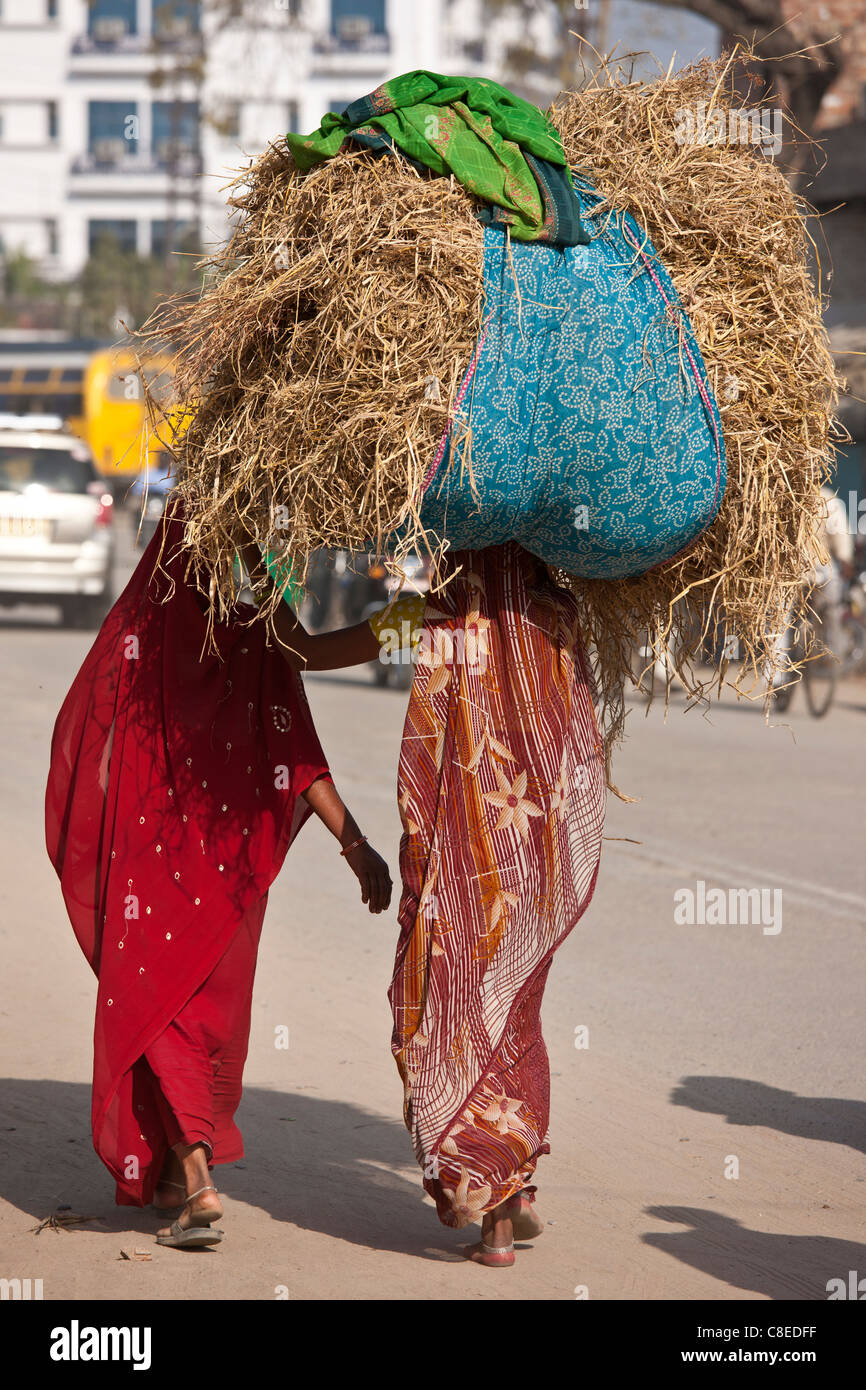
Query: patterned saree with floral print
[501, 792]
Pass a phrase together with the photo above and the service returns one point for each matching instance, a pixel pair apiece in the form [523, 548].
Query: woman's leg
[181, 1061]
[231, 1007]
[185, 1179]
[198, 1066]
[522, 1071]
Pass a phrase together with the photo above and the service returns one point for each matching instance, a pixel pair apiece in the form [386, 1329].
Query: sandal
[493, 1256]
[199, 1232]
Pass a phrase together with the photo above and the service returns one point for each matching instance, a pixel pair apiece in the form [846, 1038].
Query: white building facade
[127, 117]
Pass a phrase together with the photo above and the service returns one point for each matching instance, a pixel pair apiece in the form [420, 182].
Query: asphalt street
[708, 1120]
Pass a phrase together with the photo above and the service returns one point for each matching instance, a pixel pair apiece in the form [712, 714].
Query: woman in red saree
[501, 791]
[180, 774]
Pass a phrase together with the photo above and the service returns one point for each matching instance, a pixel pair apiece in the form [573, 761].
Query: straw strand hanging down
[345, 293]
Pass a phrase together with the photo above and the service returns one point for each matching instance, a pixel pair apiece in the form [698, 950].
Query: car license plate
[25, 528]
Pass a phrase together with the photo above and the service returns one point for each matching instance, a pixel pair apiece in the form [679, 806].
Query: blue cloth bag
[586, 428]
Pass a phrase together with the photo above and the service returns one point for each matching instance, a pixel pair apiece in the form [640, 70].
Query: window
[184, 237]
[50, 9]
[113, 233]
[292, 117]
[174, 19]
[52, 120]
[110, 20]
[112, 130]
[58, 470]
[67, 406]
[175, 129]
[52, 238]
[227, 120]
[352, 21]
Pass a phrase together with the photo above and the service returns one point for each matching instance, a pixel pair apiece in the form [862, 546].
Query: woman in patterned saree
[501, 793]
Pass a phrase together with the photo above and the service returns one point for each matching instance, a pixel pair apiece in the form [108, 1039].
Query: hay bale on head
[348, 291]
[323, 357]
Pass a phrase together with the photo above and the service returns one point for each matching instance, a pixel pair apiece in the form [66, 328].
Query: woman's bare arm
[325, 651]
[306, 651]
[368, 867]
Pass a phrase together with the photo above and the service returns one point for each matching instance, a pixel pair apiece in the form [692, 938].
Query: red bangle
[354, 845]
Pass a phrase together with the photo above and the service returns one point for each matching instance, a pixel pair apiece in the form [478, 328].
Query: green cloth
[280, 572]
[499, 147]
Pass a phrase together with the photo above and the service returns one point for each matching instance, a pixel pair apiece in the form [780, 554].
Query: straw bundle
[731, 234]
[322, 359]
[350, 299]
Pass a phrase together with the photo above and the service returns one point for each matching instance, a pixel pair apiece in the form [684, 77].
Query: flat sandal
[197, 1234]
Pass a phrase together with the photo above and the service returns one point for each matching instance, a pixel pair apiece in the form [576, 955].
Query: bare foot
[526, 1222]
[201, 1210]
[496, 1246]
[170, 1192]
[202, 1206]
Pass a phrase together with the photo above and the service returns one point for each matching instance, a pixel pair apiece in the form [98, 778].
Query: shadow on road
[321, 1165]
[835, 1121]
[778, 1266]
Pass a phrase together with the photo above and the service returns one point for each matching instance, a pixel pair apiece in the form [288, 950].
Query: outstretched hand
[373, 875]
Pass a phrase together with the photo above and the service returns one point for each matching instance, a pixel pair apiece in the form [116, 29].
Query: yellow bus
[96, 390]
[115, 415]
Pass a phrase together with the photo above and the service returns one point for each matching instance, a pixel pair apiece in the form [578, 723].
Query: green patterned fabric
[280, 572]
[499, 147]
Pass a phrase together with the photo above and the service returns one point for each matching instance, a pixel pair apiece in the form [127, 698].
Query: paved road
[706, 1143]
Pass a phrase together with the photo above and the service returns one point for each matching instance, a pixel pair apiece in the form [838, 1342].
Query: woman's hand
[373, 875]
[369, 867]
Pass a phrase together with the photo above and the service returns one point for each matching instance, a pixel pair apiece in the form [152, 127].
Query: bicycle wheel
[820, 673]
[783, 694]
[853, 651]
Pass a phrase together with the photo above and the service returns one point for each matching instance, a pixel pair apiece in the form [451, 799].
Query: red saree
[501, 790]
[173, 795]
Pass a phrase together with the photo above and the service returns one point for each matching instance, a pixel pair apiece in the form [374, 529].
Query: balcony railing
[185, 164]
[463, 50]
[121, 42]
[369, 42]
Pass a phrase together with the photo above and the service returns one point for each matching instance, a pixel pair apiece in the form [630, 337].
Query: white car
[56, 533]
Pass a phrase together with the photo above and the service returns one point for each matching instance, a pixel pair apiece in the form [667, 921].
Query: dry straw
[351, 297]
[322, 356]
